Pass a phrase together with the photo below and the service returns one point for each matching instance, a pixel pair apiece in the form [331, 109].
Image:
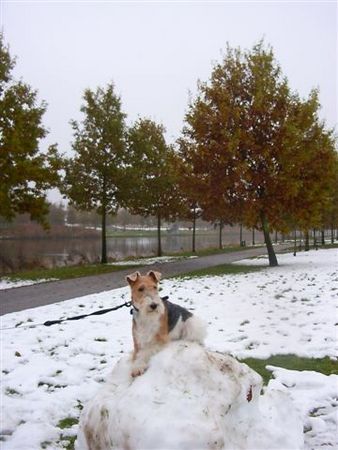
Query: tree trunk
[332, 234]
[307, 241]
[276, 237]
[253, 237]
[194, 231]
[220, 244]
[295, 243]
[104, 239]
[241, 235]
[159, 246]
[323, 237]
[314, 239]
[271, 252]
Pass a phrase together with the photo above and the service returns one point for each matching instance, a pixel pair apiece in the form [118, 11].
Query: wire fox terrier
[157, 321]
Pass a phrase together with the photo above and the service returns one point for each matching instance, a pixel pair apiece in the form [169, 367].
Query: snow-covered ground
[49, 373]
[6, 283]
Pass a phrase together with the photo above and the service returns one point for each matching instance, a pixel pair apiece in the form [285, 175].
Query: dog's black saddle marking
[174, 313]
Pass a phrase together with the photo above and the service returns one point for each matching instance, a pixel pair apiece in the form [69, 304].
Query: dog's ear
[132, 278]
[156, 276]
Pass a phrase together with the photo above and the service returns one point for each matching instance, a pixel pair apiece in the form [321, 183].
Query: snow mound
[189, 398]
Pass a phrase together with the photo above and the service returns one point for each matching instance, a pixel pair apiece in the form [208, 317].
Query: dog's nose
[153, 306]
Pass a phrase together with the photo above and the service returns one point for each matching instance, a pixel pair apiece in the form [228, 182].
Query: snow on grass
[288, 309]
[6, 283]
[49, 373]
[316, 397]
[150, 261]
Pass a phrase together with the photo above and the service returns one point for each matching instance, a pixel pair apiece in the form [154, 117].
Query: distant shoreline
[96, 234]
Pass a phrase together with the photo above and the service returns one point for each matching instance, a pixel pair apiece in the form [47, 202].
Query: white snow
[49, 373]
[316, 397]
[6, 283]
[150, 261]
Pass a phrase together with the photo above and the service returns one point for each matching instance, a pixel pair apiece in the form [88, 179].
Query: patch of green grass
[328, 246]
[63, 273]
[131, 233]
[301, 249]
[292, 362]
[153, 233]
[187, 254]
[67, 442]
[224, 269]
[213, 251]
[67, 422]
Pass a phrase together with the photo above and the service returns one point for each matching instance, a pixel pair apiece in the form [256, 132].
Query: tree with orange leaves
[257, 151]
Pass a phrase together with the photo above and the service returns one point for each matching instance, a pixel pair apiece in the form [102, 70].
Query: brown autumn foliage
[257, 154]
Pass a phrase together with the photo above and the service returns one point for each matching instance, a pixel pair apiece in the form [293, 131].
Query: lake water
[17, 254]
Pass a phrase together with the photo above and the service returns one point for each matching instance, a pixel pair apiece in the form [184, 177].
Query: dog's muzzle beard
[151, 306]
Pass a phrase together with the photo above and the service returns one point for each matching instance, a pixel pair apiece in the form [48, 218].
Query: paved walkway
[17, 299]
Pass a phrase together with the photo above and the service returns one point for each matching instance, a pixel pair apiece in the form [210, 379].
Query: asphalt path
[20, 298]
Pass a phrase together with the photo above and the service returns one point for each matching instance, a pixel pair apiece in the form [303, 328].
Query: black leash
[96, 313]
[48, 323]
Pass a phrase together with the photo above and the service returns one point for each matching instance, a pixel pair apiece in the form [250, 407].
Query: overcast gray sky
[155, 52]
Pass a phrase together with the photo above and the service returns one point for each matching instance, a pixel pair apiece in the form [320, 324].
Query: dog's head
[144, 292]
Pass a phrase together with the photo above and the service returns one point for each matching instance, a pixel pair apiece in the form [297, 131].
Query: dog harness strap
[134, 310]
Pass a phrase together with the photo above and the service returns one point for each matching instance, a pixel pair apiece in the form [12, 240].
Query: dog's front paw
[137, 371]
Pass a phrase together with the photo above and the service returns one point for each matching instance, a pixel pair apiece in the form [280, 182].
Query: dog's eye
[141, 289]
[154, 287]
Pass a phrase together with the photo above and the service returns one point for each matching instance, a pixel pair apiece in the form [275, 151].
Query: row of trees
[252, 152]
[259, 153]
